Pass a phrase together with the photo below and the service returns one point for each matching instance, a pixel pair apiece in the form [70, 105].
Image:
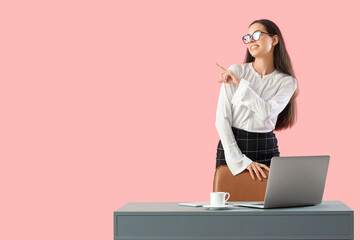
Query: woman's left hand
[228, 76]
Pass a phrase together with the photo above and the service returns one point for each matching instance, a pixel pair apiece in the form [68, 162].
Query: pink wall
[108, 102]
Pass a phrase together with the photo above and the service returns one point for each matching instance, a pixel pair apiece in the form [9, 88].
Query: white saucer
[217, 207]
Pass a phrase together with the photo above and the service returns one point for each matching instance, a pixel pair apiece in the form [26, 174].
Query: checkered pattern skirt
[259, 147]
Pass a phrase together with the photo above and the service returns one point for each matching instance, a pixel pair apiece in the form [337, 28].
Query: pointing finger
[221, 67]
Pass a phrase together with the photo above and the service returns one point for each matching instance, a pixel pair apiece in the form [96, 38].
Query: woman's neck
[263, 66]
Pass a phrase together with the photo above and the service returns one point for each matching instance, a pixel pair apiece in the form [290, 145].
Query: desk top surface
[326, 207]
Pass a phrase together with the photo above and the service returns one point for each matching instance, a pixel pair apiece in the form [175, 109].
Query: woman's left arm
[245, 95]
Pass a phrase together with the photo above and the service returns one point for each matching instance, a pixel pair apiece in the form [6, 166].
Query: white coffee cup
[218, 199]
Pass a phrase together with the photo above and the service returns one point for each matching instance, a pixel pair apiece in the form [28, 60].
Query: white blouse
[253, 105]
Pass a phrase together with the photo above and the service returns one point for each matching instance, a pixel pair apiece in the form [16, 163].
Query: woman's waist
[243, 132]
[253, 124]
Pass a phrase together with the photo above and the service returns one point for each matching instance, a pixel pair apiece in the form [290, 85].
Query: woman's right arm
[236, 161]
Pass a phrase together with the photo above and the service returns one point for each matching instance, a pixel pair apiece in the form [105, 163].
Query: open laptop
[294, 181]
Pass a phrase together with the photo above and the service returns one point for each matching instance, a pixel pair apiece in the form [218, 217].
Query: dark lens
[256, 35]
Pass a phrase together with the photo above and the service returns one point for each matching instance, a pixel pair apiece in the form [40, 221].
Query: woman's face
[264, 45]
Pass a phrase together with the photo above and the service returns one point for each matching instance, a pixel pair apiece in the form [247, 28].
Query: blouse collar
[258, 75]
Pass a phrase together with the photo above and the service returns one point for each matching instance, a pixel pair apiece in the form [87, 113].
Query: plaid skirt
[259, 147]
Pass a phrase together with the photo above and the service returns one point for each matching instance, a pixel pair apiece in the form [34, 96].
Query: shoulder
[237, 68]
[287, 79]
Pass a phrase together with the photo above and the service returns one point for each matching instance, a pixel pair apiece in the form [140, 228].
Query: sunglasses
[255, 36]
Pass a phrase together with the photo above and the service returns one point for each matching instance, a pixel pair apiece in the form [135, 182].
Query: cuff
[237, 167]
[240, 92]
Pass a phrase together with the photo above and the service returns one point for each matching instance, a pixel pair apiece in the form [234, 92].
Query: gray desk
[167, 220]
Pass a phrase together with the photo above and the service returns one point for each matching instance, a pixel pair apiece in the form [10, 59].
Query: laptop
[293, 182]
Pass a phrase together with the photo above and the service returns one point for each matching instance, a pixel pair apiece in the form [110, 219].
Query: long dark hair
[282, 63]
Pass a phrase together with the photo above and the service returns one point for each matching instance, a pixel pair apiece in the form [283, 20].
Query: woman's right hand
[227, 76]
[256, 168]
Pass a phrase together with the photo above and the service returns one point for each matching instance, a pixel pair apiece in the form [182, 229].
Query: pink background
[109, 102]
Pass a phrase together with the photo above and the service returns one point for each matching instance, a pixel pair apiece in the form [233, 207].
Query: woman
[256, 97]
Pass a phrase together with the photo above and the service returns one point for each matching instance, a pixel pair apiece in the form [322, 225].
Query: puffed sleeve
[246, 96]
[235, 159]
